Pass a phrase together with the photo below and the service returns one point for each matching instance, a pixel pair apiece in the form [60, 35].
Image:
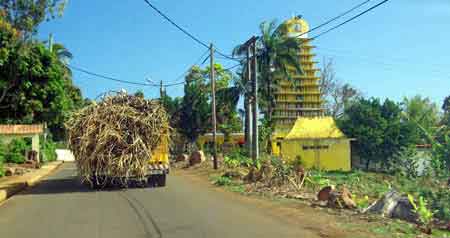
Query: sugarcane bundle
[115, 137]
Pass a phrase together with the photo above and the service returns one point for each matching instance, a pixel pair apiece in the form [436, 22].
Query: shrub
[421, 209]
[16, 151]
[237, 158]
[2, 151]
[440, 202]
[48, 151]
[223, 181]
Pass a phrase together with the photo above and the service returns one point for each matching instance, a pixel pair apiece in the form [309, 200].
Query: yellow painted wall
[335, 157]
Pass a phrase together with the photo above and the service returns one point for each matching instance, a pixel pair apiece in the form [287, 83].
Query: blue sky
[399, 49]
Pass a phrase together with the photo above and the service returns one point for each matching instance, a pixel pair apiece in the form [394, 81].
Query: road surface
[61, 207]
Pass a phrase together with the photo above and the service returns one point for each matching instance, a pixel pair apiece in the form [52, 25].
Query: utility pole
[255, 153]
[161, 90]
[248, 106]
[213, 104]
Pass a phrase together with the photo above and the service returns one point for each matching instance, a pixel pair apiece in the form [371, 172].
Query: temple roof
[315, 128]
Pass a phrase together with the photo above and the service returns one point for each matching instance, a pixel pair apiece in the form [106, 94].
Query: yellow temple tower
[300, 96]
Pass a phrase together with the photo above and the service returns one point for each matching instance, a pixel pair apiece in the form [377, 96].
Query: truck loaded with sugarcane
[121, 140]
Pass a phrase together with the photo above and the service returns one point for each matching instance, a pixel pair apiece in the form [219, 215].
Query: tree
[446, 105]
[277, 57]
[63, 55]
[34, 85]
[139, 93]
[26, 15]
[379, 130]
[195, 109]
[422, 112]
[337, 96]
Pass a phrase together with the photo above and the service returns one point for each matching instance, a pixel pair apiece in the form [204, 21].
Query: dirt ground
[324, 221]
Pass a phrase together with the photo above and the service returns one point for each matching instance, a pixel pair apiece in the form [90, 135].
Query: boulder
[393, 205]
[20, 171]
[182, 158]
[336, 199]
[324, 193]
[197, 157]
[404, 210]
[10, 171]
[346, 197]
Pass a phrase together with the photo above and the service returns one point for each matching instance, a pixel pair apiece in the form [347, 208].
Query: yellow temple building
[300, 96]
[302, 131]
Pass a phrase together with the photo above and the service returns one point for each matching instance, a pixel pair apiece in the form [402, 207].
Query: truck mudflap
[159, 169]
[157, 175]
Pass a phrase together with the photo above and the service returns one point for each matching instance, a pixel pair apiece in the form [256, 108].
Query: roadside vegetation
[399, 146]
[35, 82]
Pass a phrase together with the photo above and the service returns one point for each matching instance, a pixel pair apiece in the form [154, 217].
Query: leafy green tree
[34, 86]
[277, 57]
[423, 112]
[64, 56]
[445, 121]
[446, 104]
[379, 130]
[26, 15]
[139, 93]
[195, 109]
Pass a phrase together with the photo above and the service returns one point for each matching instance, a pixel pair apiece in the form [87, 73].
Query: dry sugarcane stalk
[116, 137]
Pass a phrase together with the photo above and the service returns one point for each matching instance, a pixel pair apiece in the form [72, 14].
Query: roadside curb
[27, 180]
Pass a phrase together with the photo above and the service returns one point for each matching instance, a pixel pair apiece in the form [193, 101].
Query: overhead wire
[186, 32]
[104, 76]
[335, 18]
[351, 19]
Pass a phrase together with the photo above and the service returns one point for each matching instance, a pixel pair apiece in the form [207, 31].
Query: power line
[105, 77]
[190, 35]
[176, 25]
[335, 18]
[177, 79]
[351, 19]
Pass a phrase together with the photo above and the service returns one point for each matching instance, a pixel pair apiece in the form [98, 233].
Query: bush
[48, 151]
[440, 202]
[223, 181]
[2, 151]
[16, 151]
[236, 159]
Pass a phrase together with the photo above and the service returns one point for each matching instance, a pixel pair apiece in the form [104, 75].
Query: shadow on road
[68, 185]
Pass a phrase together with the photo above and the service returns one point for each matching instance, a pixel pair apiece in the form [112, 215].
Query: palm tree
[276, 54]
[63, 55]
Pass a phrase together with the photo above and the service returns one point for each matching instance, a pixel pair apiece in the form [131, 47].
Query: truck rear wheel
[157, 180]
[162, 180]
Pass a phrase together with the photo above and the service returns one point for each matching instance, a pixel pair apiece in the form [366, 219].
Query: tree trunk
[247, 128]
[269, 112]
[367, 164]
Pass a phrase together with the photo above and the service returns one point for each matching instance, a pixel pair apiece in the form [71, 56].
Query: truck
[158, 169]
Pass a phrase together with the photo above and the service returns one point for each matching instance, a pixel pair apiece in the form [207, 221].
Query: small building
[318, 143]
[234, 139]
[10, 132]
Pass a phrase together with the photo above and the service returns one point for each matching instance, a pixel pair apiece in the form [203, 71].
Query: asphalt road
[61, 207]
